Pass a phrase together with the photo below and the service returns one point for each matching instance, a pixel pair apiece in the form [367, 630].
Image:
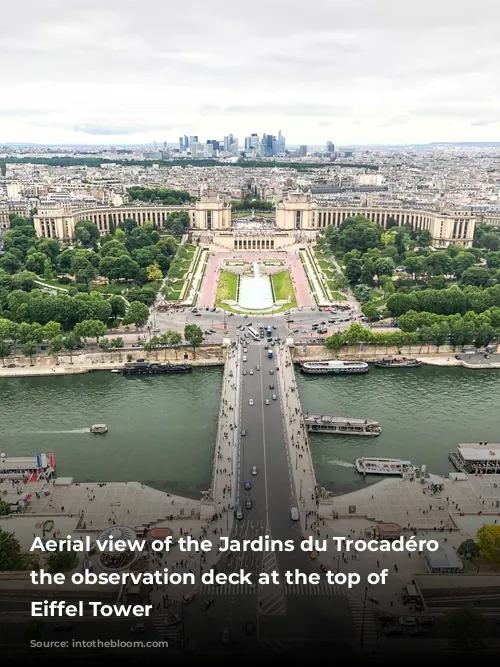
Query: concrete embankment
[431, 355]
[87, 362]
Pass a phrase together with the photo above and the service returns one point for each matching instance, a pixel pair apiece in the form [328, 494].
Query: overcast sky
[350, 71]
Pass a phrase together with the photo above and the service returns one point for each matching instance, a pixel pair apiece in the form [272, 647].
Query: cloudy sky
[352, 71]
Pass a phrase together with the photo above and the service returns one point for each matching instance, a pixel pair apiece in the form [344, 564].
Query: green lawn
[283, 288]
[55, 283]
[227, 289]
[336, 296]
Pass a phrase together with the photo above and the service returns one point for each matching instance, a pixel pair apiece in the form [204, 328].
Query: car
[271, 371]
[245, 372]
[274, 397]
[257, 368]
[239, 512]
[271, 386]
[407, 620]
[425, 620]
[174, 619]
[249, 628]
[250, 402]
[268, 402]
[254, 471]
[225, 637]
[208, 604]
[245, 350]
[392, 630]
[63, 627]
[137, 627]
[243, 432]
[251, 371]
[247, 485]
[248, 503]
[266, 347]
[212, 331]
[197, 314]
[294, 513]
[189, 597]
[244, 358]
[207, 333]
[274, 328]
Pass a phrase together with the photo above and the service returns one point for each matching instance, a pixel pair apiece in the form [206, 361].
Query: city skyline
[386, 75]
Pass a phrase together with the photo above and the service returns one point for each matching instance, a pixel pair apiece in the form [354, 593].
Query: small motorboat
[99, 429]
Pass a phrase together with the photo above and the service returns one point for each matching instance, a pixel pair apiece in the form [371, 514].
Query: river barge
[398, 362]
[342, 425]
[146, 368]
[30, 468]
[334, 367]
[478, 458]
[381, 466]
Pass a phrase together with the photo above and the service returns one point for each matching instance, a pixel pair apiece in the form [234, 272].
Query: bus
[253, 333]
[269, 332]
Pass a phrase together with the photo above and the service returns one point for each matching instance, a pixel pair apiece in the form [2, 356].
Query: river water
[424, 413]
[162, 429]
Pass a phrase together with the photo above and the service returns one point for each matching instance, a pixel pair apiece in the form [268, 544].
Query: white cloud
[369, 72]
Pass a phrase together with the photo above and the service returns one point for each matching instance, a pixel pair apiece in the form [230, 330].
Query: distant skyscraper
[330, 147]
[280, 144]
[186, 141]
[228, 140]
[181, 143]
[302, 150]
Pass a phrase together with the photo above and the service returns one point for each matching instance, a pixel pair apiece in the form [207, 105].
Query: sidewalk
[299, 452]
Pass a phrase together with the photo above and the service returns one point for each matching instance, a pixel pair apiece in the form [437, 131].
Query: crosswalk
[228, 589]
[271, 596]
[275, 646]
[364, 622]
[322, 588]
[170, 633]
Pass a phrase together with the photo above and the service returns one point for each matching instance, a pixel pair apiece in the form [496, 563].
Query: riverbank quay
[433, 356]
[413, 508]
[45, 365]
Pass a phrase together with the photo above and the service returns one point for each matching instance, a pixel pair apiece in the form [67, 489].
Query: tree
[171, 339]
[86, 233]
[10, 552]
[5, 508]
[154, 272]
[137, 313]
[51, 330]
[5, 350]
[117, 343]
[194, 336]
[29, 349]
[488, 541]
[70, 343]
[370, 311]
[469, 550]
[334, 342]
[61, 561]
[464, 626]
[55, 346]
[118, 306]
[475, 275]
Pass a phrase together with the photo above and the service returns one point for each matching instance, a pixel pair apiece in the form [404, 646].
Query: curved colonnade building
[299, 218]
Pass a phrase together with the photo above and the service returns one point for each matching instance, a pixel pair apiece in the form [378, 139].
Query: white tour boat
[380, 466]
[334, 367]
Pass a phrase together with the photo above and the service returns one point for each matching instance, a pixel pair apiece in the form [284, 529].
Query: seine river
[162, 429]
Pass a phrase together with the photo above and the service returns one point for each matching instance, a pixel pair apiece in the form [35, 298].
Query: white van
[294, 513]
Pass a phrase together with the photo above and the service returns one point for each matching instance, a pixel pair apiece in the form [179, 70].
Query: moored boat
[334, 367]
[381, 466]
[146, 368]
[398, 362]
[341, 425]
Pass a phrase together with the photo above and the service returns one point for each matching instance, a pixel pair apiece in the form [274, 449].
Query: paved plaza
[206, 298]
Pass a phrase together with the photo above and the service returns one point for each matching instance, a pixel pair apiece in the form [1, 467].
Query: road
[285, 619]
